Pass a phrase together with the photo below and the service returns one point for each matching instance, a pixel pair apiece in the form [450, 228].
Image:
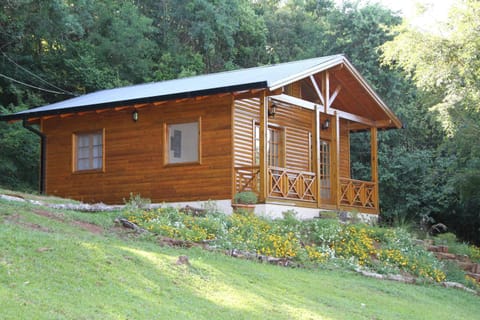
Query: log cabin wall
[298, 125]
[344, 162]
[134, 154]
[246, 113]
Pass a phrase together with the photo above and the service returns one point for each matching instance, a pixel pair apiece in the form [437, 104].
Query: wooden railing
[356, 193]
[247, 179]
[291, 184]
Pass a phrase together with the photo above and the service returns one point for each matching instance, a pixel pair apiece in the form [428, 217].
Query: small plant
[245, 197]
[136, 202]
[328, 215]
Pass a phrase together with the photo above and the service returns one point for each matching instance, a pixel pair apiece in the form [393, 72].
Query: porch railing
[247, 179]
[356, 193]
[282, 183]
[291, 184]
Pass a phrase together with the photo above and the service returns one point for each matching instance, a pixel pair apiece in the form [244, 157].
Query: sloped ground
[57, 264]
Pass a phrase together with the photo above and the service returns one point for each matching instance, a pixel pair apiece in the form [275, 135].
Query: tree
[49, 49]
[446, 67]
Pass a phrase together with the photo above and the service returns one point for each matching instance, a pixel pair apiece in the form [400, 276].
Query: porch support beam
[336, 160]
[263, 147]
[353, 117]
[325, 90]
[331, 111]
[317, 89]
[316, 151]
[334, 95]
[374, 163]
[285, 98]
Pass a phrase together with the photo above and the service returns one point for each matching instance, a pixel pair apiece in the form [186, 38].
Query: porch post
[263, 147]
[336, 160]
[374, 163]
[326, 90]
[316, 150]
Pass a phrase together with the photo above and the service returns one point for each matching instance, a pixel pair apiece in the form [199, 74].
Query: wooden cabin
[282, 131]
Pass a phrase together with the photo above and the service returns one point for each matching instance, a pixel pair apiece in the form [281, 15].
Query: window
[183, 143]
[88, 151]
[274, 146]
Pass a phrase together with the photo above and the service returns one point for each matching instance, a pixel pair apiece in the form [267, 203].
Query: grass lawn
[54, 267]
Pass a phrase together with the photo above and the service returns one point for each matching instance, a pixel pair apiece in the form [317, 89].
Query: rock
[400, 278]
[130, 225]
[476, 268]
[475, 276]
[463, 258]
[448, 284]
[194, 211]
[466, 266]
[182, 260]
[11, 198]
[445, 256]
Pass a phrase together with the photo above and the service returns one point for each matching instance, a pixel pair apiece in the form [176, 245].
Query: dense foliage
[52, 50]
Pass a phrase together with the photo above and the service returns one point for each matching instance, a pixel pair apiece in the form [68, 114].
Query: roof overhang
[31, 113]
[271, 78]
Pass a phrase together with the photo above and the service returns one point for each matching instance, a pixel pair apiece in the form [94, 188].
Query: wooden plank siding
[246, 113]
[297, 123]
[134, 154]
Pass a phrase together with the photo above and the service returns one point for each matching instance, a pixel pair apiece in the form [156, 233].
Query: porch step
[471, 269]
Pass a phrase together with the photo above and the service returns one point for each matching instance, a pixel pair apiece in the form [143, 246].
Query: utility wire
[31, 86]
[38, 77]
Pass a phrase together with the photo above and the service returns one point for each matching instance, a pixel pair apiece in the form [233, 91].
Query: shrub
[355, 242]
[245, 197]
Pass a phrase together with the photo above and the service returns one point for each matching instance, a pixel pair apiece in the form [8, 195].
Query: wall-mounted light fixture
[272, 110]
[135, 115]
[326, 124]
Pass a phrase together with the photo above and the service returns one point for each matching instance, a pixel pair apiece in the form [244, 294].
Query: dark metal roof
[272, 77]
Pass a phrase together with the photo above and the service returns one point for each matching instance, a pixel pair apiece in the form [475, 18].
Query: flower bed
[316, 242]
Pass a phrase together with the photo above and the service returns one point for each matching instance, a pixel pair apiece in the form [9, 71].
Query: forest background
[51, 50]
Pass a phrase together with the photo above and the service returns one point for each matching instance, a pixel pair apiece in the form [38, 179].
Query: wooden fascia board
[306, 73]
[373, 94]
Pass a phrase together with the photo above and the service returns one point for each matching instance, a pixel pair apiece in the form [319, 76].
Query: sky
[437, 10]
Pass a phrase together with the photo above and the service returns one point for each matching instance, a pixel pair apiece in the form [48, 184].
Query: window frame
[281, 150]
[166, 142]
[75, 153]
[325, 169]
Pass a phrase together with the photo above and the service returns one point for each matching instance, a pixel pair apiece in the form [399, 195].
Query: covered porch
[338, 102]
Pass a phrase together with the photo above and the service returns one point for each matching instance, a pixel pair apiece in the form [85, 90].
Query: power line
[38, 77]
[31, 86]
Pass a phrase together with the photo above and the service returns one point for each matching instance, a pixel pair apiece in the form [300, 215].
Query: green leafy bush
[246, 197]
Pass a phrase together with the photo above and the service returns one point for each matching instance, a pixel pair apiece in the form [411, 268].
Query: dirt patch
[93, 228]
[50, 215]
[16, 219]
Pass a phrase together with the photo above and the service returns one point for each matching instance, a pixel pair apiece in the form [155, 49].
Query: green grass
[53, 269]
